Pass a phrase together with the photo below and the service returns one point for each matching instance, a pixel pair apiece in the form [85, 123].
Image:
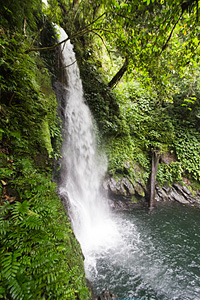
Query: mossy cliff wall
[40, 257]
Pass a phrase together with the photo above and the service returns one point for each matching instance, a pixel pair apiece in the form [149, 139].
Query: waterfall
[136, 255]
[82, 169]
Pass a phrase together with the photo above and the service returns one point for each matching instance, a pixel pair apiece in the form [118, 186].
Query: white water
[88, 210]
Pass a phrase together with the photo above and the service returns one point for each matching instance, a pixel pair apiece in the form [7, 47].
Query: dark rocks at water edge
[106, 295]
[124, 194]
[177, 193]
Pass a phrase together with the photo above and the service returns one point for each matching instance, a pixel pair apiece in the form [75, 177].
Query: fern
[10, 264]
[36, 249]
[38, 254]
[4, 226]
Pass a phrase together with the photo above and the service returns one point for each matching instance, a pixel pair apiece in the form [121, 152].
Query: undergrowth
[39, 255]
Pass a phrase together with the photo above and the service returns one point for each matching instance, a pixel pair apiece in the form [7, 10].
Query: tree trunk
[119, 74]
[154, 169]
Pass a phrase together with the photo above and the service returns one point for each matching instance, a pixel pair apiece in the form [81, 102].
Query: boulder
[116, 186]
[123, 194]
[168, 158]
[139, 189]
[128, 186]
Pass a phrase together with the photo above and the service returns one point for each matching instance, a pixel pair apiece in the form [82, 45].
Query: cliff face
[40, 256]
[131, 124]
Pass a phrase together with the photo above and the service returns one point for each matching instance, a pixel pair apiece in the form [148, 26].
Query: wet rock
[168, 158]
[123, 187]
[116, 186]
[122, 204]
[139, 189]
[107, 295]
[161, 195]
[128, 186]
[177, 192]
[175, 196]
[184, 191]
[142, 183]
[123, 194]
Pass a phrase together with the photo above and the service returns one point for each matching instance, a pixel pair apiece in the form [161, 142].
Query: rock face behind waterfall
[177, 193]
[125, 193]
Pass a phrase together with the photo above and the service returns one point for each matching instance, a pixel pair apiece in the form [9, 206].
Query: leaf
[32, 213]
[10, 264]
[189, 100]
[3, 182]
[148, 1]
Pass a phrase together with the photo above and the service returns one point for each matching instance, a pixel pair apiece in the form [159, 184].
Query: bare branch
[70, 64]
[169, 37]
[53, 47]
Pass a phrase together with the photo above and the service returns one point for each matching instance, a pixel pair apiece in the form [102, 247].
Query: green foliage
[169, 173]
[195, 185]
[39, 256]
[102, 102]
[143, 159]
[149, 122]
[160, 38]
[120, 154]
[187, 146]
[14, 13]
[152, 125]
[26, 91]
[159, 97]
[37, 246]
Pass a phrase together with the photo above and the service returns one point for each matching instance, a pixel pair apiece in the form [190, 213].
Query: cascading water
[82, 170]
[135, 255]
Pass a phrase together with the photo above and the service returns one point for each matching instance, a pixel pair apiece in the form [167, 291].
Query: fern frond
[4, 226]
[10, 264]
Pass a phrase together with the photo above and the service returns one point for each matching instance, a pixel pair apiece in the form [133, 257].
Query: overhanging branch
[81, 32]
[169, 37]
[53, 47]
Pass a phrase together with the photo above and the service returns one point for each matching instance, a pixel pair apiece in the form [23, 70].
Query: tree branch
[69, 65]
[101, 40]
[169, 37]
[53, 47]
[119, 74]
[81, 32]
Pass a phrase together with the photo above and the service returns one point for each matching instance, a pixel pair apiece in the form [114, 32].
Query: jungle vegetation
[139, 62]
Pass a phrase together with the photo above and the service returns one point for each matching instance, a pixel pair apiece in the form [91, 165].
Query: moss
[45, 133]
[195, 185]
[134, 199]
[120, 154]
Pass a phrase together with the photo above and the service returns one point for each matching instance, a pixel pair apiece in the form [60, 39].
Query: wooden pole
[154, 169]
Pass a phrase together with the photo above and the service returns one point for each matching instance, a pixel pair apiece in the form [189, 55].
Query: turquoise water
[158, 257]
